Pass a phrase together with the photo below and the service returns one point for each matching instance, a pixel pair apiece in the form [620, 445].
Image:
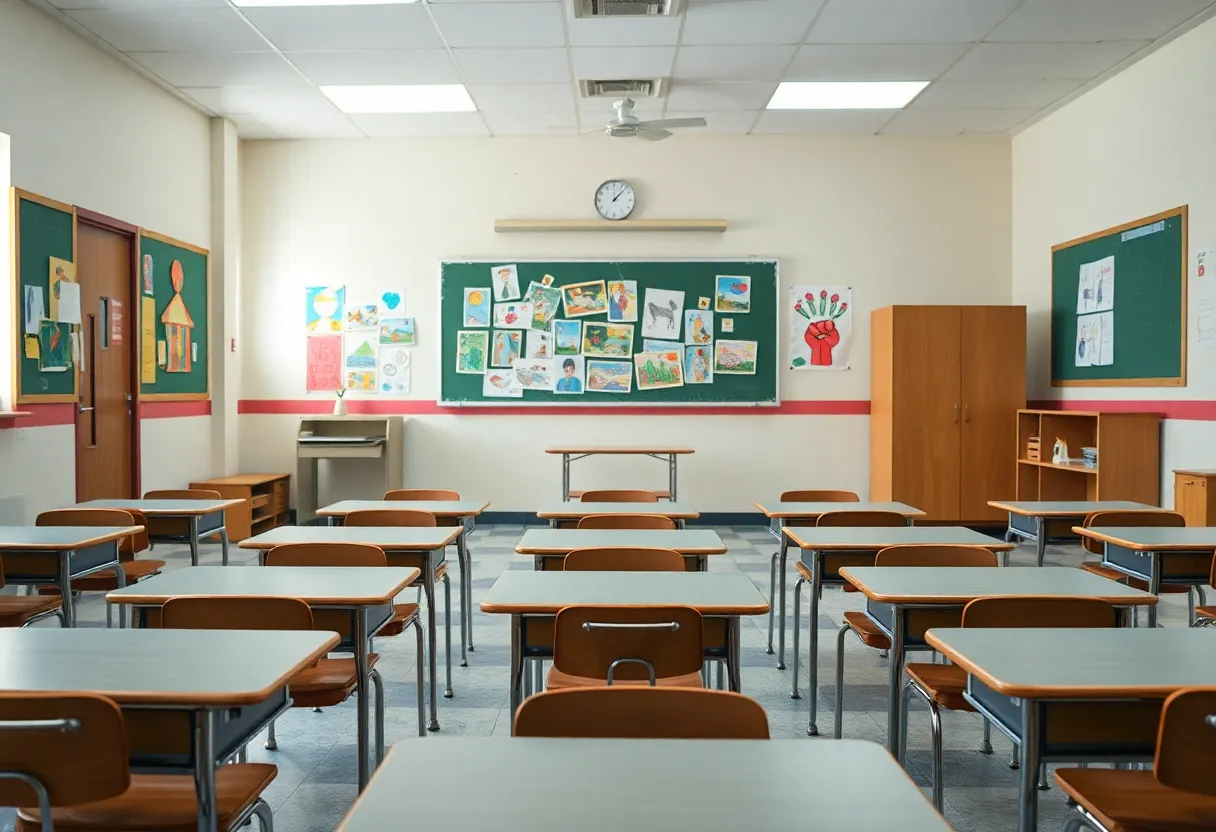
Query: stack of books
[1089, 457]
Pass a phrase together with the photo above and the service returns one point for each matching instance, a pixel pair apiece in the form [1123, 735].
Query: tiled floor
[316, 756]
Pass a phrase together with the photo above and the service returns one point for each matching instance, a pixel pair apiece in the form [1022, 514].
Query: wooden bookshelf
[267, 502]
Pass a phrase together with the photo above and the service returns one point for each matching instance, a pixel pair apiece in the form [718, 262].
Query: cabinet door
[1191, 498]
[993, 346]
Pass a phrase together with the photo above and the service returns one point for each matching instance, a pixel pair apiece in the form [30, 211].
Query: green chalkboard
[696, 279]
[42, 229]
[1139, 339]
[182, 383]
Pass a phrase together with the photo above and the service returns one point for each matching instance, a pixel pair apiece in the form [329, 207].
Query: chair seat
[867, 630]
[107, 581]
[15, 610]
[556, 680]
[403, 614]
[1205, 612]
[327, 683]
[1133, 801]
[944, 683]
[805, 572]
[1113, 574]
[161, 803]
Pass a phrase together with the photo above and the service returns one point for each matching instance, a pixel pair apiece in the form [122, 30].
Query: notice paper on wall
[147, 340]
[1096, 286]
[1096, 340]
[69, 302]
[1204, 297]
[35, 310]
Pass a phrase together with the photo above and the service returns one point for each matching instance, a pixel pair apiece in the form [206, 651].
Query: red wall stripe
[1194, 410]
[61, 414]
[371, 407]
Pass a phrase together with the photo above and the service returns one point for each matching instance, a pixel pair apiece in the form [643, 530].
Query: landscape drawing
[651, 345]
[361, 347]
[477, 307]
[567, 337]
[582, 299]
[732, 293]
[607, 340]
[366, 316]
[659, 370]
[534, 373]
[609, 376]
[397, 332]
[738, 357]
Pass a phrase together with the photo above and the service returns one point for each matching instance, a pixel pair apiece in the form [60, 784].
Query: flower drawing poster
[821, 327]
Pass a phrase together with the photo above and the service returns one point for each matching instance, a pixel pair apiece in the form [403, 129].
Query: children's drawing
[476, 307]
[821, 327]
[54, 351]
[662, 314]
[505, 280]
[1096, 340]
[545, 301]
[698, 365]
[324, 308]
[366, 316]
[323, 367]
[567, 337]
[359, 350]
[728, 324]
[738, 357]
[623, 301]
[653, 345]
[609, 376]
[35, 309]
[506, 347]
[539, 344]
[361, 381]
[500, 384]
[178, 323]
[569, 381]
[582, 299]
[1096, 286]
[534, 373]
[395, 371]
[607, 340]
[471, 349]
[732, 294]
[517, 315]
[391, 303]
[61, 271]
[698, 327]
[397, 332]
[657, 370]
[702, 303]
[147, 274]
[547, 280]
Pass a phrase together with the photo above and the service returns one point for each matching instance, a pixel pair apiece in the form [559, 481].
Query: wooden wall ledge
[521, 226]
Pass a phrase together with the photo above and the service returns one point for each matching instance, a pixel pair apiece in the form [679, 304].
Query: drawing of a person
[568, 383]
[700, 369]
[620, 301]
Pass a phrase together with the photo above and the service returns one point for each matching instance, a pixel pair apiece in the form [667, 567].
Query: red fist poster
[821, 327]
[324, 364]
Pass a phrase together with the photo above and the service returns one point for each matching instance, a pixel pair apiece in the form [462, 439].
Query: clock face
[614, 200]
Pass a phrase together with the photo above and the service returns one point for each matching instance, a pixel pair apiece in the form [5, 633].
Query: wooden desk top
[1067, 508]
[539, 593]
[1082, 664]
[344, 586]
[165, 508]
[572, 509]
[389, 538]
[159, 667]
[869, 538]
[1196, 472]
[620, 449]
[242, 479]
[59, 538]
[1154, 538]
[646, 785]
[956, 585]
[778, 508]
[565, 541]
[439, 508]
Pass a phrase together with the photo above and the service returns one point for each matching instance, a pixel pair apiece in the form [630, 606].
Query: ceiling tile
[532, 124]
[722, 22]
[496, 25]
[856, 122]
[1001, 95]
[733, 63]
[250, 128]
[938, 122]
[1095, 20]
[882, 62]
[228, 101]
[688, 97]
[904, 21]
[139, 4]
[728, 122]
[377, 66]
[606, 63]
[227, 69]
[1041, 61]
[651, 31]
[296, 28]
[392, 125]
[173, 30]
[523, 98]
[513, 66]
[332, 125]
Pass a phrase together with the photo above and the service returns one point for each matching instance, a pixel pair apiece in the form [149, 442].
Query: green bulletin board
[194, 295]
[695, 278]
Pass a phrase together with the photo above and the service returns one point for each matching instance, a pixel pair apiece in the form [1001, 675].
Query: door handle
[84, 409]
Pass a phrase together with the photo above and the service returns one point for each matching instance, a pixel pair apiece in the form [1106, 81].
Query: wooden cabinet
[1195, 497]
[946, 385]
[267, 502]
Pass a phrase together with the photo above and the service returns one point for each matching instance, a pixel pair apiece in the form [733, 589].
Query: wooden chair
[620, 495]
[623, 560]
[356, 554]
[868, 632]
[423, 494]
[642, 713]
[106, 580]
[64, 760]
[1178, 795]
[24, 610]
[171, 529]
[655, 522]
[941, 686]
[1205, 616]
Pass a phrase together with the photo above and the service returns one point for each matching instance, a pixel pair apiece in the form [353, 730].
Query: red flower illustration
[823, 293]
[835, 298]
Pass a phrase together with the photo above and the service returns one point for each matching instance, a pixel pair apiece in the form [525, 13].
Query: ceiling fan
[627, 125]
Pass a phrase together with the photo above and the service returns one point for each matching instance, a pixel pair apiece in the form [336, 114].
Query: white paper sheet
[1203, 296]
[1096, 286]
[1095, 340]
[35, 309]
[69, 302]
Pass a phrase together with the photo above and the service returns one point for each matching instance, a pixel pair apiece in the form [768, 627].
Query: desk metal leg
[517, 665]
[782, 554]
[894, 678]
[194, 541]
[1028, 774]
[1154, 586]
[671, 475]
[733, 654]
[224, 544]
[1040, 544]
[428, 587]
[466, 594]
[565, 477]
[204, 771]
[120, 578]
[812, 691]
[361, 691]
[65, 588]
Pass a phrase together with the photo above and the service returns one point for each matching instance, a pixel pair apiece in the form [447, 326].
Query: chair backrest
[623, 559]
[812, 496]
[1035, 611]
[642, 713]
[590, 641]
[233, 612]
[626, 521]
[861, 518]
[1169, 519]
[184, 494]
[390, 517]
[443, 494]
[915, 555]
[1186, 744]
[73, 745]
[137, 542]
[326, 554]
[620, 495]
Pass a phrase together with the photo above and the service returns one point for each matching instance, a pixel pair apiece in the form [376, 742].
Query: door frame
[131, 232]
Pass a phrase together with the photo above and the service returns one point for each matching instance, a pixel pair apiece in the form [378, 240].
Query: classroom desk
[366, 593]
[1035, 519]
[827, 549]
[206, 517]
[1157, 555]
[1061, 694]
[575, 510]
[550, 544]
[538, 596]
[660, 452]
[230, 683]
[598, 785]
[54, 555]
[779, 513]
[903, 600]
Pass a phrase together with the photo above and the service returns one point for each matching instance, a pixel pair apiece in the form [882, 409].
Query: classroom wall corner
[225, 295]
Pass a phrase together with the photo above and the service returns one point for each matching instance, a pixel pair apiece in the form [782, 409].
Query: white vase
[340, 407]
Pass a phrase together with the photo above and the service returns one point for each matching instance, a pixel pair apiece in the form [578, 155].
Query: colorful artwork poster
[821, 327]
[698, 365]
[147, 342]
[547, 280]
[394, 371]
[623, 301]
[516, 315]
[582, 299]
[54, 349]
[391, 303]
[567, 337]
[698, 327]
[659, 370]
[737, 357]
[476, 307]
[545, 302]
[732, 293]
[569, 375]
[539, 344]
[323, 365]
[607, 340]
[397, 332]
[727, 324]
[324, 308]
[505, 280]
[662, 314]
[506, 346]
[653, 345]
[361, 381]
[609, 376]
[147, 274]
[365, 316]
[61, 271]
[359, 350]
[534, 373]
[500, 384]
[471, 351]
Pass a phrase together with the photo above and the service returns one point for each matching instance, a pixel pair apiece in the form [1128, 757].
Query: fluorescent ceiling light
[401, 98]
[845, 95]
[321, 2]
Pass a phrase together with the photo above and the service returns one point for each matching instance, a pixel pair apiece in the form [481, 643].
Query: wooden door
[993, 389]
[105, 419]
[926, 409]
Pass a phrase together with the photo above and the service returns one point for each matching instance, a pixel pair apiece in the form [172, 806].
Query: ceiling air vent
[627, 8]
[650, 88]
